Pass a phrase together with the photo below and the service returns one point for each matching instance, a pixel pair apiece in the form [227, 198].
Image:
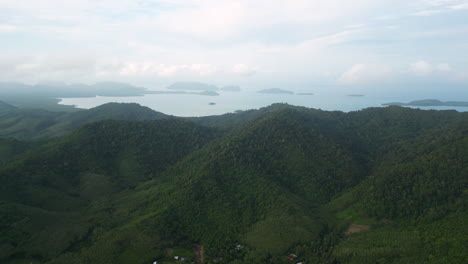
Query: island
[46, 94]
[305, 93]
[431, 102]
[275, 91]
[208, 93]
[211, 103]
[192, 86]
[355, 95]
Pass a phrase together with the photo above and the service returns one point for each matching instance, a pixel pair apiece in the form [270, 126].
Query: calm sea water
[198, 105]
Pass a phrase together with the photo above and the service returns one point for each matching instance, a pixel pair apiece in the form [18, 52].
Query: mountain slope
[37, 124]
[412, 202]
[279, 181]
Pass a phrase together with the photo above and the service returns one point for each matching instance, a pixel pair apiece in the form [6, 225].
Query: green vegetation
[38, 124]
[281, 184]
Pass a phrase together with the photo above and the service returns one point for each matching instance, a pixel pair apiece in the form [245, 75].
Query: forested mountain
[36, 124]
[281, 184]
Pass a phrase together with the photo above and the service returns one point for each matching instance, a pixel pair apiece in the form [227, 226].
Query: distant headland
[275, 91]
[431, 102]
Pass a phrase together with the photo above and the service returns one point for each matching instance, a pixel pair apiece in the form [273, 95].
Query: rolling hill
[281, 184]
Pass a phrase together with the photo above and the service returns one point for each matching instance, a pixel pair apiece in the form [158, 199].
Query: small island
[355, 95]
[211, 103]
[431, 102]
[305, 93]
[192, 86]
[208, 93]
[275, 91]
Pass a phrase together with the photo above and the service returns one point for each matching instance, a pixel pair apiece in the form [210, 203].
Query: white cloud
[8, 28]
[424, 68]
[461, 76]
[329, 40]
[366, 74]
[356, 26]
[426, 13]
[242, 69]
[440, 2]
[421, 68]
[133, 69]
[33, 68]
[444, 67]
[433, 7]
[222, 39]
[459, 7]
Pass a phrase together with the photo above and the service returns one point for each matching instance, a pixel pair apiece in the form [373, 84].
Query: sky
[267, 43]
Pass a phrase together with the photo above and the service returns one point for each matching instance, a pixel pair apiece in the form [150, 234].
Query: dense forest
[121, 183]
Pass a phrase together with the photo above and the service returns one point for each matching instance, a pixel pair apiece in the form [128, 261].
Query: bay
[226, 102]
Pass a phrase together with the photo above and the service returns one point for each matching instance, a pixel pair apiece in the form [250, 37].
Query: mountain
[4, 107]
[281, 184]
[35, 124]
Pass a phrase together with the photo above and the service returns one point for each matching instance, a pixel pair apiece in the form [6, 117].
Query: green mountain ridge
[38, 124]
[252, 187]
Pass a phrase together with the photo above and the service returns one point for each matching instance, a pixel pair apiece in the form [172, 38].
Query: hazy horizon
[359, 45]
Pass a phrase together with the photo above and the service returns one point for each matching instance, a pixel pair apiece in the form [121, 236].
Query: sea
[190, 105]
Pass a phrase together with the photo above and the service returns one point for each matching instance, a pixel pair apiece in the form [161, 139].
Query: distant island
[211, 103]
[231, 88]
[356, 95]
[275, 91]
[46, 95]
[192, 86]
[207, 93]
[431, 102]
[305, 93]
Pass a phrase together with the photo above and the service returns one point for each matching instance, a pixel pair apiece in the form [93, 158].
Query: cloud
[365, 74]
[424, 68]
[356, 26]
[8, 28]
[426, 13]
[440, 2]
[439, 6]
[227, 39]
[444, 67]
[135, 69]
[244, 70]
[459, 7]
[421, 68]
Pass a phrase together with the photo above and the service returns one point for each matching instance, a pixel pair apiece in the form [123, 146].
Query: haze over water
[197, 105]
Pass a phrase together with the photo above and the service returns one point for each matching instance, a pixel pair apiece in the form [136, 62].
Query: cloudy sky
[261, 42]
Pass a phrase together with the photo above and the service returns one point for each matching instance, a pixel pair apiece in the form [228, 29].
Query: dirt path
[199, 251]
[354, 228]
